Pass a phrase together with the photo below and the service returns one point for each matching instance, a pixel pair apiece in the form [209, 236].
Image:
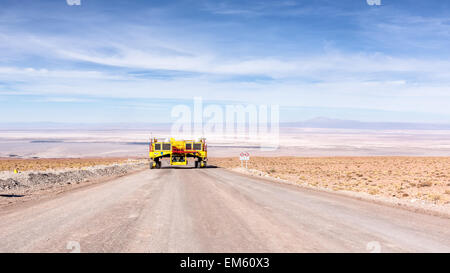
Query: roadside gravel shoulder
[30, 185]
[442, 210]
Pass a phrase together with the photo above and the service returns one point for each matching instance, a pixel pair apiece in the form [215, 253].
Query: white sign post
[244, 156]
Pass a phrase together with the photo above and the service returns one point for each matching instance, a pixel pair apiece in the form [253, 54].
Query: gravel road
[213, 210]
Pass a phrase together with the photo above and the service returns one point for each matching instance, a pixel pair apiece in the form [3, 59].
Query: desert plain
[411, 178]
[412, 165]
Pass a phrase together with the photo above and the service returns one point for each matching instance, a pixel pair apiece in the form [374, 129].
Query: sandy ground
[43, 164]
[213, 210]
[416, 179]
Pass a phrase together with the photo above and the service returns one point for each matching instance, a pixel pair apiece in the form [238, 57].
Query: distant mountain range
[319, 122]
[322, 122]
[83, 126]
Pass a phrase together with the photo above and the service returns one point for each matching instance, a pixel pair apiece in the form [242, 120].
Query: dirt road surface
[213, 210]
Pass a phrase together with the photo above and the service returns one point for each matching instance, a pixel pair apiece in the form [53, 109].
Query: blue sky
[132, 61]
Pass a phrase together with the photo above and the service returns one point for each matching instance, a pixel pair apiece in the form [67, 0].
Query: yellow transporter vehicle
[178, 151]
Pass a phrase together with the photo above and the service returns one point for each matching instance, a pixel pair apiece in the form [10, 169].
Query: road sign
[244, 156]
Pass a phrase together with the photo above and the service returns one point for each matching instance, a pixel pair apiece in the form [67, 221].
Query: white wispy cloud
[77, 65]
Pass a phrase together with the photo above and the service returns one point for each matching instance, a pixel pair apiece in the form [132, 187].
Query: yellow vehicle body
[178, 152]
